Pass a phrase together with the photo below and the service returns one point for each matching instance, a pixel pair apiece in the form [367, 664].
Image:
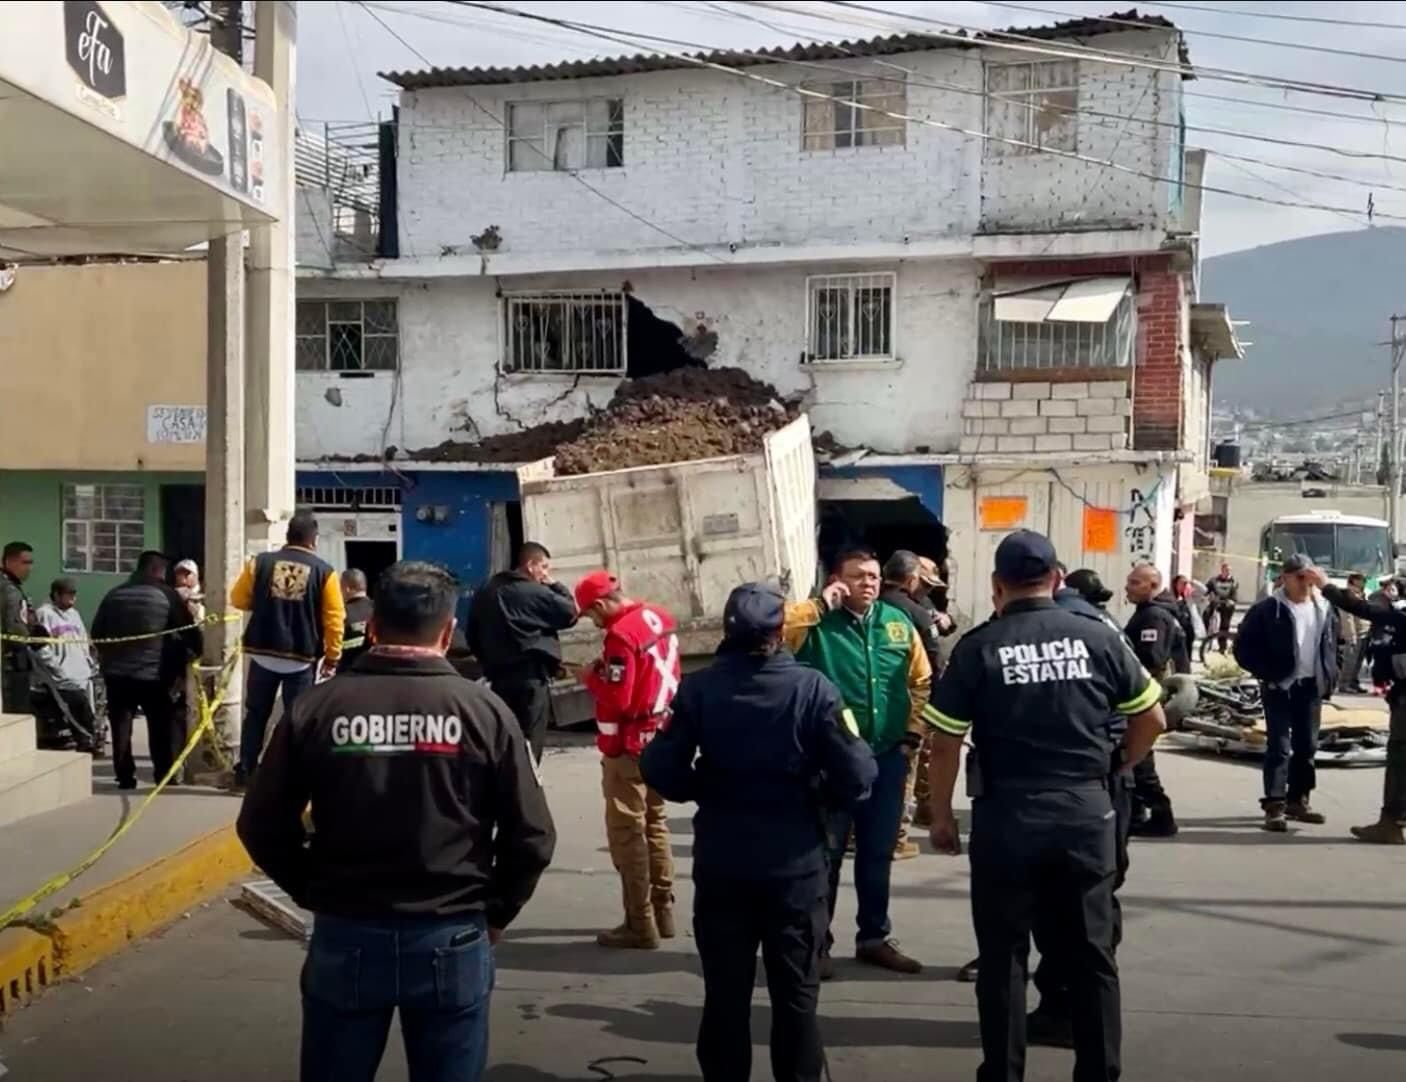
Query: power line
[976, 36]
[611, 34]
[1363, 24]
[1118, 20]
[1275, 184]
[569, 172]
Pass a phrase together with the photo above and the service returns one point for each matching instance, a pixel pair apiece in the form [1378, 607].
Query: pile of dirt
[677, 416]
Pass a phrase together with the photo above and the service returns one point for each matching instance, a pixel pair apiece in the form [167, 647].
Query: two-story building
[976, 264]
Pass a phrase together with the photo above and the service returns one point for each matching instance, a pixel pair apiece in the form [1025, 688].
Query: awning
[125, 132]
[1213, 333]
[1078, 300]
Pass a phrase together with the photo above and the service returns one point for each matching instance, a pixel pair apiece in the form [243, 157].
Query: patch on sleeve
[897, 630]
[615, 670]
[851, 725]
[1149, 634]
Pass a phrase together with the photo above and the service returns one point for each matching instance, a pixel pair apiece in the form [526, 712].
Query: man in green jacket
[871, 652]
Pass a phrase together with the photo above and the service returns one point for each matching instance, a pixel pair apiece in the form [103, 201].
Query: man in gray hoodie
[66, 667]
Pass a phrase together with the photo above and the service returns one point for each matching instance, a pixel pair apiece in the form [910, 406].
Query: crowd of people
[403, 804]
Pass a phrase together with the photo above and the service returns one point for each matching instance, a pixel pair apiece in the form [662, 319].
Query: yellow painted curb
[26, 967]
[105, 921]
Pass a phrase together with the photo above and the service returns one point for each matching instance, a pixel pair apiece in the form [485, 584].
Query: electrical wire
[1119, 20]
[611, 34]
[351, 55]
[1235, 163]
[1320, 19]
[501, 123]
[976, 36]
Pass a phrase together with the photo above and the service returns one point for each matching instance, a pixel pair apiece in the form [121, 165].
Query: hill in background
[1318, 307]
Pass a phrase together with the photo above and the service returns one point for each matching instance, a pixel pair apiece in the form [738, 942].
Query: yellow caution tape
[1333, 571]
[40, 640]
[208, 707]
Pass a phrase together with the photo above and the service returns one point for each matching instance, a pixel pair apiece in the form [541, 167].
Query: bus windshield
[1336, 547]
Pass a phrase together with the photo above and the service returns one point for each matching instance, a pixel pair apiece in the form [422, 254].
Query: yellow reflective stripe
[944, 723]
[847, 716]
[1149, 697]
[355, 643]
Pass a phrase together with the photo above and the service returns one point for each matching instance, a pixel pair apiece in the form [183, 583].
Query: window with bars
[561, 136]
[343, 497]
[104, 527]
[1033, 104]
[1099, 331]
[578, 333]
[348, 336]
[833, 122]
[850, 317]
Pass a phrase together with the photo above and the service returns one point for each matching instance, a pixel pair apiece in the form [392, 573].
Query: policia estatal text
[1035, 688]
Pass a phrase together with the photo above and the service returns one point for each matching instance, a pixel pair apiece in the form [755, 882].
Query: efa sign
[96, 51]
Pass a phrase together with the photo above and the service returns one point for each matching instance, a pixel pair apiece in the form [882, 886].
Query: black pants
[1053, 853]
[530, 700]
[66, 710]
[1148, 796]
[166, 729]
[787, 918]
[1291, 719]
[1052, 974]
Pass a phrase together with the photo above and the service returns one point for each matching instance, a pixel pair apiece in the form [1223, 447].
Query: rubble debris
[540, 441]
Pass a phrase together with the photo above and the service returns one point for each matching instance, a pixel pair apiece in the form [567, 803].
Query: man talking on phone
[431, 831]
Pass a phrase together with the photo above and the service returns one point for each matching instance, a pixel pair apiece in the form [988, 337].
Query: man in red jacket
[633, 684]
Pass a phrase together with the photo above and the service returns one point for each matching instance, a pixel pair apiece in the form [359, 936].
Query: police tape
[1335, 572]
[208, 706]
[70, 640]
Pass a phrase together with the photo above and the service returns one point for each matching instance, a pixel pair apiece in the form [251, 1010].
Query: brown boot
[664, 916]
[1275, 820]
[641, 934]
[906, 849]
[1300, 811]
[1382, 832]
[886, 955]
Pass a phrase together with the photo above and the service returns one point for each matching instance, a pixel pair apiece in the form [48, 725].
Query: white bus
[1338, 543]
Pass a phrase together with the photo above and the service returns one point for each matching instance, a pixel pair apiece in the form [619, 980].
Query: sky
[341, 46]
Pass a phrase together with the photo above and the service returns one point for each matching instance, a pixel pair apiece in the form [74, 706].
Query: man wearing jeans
[872, 654]
[296, 613]
[432, 832]
[1289, 642]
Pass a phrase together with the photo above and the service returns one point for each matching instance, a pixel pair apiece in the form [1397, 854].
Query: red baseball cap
[593, 587]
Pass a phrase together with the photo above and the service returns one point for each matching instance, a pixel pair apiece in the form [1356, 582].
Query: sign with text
[1100, 529]
[96, 49]
[1002, 512]
[175, 424]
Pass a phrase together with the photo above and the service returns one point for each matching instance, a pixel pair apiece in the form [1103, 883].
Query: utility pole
[1398, 353]
[268, 417]
[224, 435]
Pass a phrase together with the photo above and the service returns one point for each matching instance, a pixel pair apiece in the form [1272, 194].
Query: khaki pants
[637, 830]
[915, 792]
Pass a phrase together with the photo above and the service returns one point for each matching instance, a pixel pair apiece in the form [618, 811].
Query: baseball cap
[1297, 562]
[1088, 585]
[593, 587]
[929, 573]
[753, 610]
[1025, 556]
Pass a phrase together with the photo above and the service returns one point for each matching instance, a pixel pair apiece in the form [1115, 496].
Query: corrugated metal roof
[886, 45]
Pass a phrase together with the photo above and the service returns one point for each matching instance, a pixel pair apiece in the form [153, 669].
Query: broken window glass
[1032, 106]
[564, 136]
[854, 113]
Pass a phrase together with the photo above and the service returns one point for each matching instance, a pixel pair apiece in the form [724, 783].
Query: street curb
[26, 967]
[103, 922]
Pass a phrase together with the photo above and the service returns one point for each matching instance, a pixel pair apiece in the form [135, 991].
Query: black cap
[753, 611]
[1088, 585]
[1295, 563]
[1025, 556]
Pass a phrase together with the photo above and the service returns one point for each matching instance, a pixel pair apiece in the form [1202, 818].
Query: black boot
[1160, 824]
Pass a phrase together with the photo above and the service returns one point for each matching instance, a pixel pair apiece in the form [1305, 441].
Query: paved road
[1249, 957]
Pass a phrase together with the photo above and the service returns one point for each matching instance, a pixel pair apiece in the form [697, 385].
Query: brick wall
[1158, 387]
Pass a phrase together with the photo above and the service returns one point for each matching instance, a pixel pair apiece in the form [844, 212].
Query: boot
[664, 915]
[1274, 819]
[1300, 812]
[1158, 824]
[906, 849]
[641, 934]
[1383, 832]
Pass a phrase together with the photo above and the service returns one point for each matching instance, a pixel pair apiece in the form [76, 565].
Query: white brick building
[950, 304]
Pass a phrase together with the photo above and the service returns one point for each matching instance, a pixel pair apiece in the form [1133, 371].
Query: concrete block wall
[1033, 417]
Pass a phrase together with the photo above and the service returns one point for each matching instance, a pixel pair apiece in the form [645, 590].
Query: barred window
[566, 135]
[850, 317]
[353, 498]
[1035, 104]
[104, 527]
[348, 336]
[832, 122]
[564, 332]
[1083, 323]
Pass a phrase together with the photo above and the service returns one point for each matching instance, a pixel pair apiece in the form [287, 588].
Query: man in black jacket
[1160, 644]
[513, 625]
[432, 832]
[17, 621]
[147, 672]
[358, 616]
[1289, 643]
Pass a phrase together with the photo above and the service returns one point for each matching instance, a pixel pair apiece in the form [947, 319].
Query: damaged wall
[449, 348]
[1024, 191]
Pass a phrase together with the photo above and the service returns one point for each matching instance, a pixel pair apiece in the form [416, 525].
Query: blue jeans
[1291, 721]
[438, 971]
[259, 694]
[875, 822]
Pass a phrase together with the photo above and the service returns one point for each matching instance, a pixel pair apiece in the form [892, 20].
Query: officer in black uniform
[765, 747]
[1035, 689]
[1160, 643]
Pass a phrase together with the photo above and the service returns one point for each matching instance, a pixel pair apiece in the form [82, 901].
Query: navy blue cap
[1025, 556]
[753, 610]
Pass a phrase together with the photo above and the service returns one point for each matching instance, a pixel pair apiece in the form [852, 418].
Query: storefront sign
[96, 49]
[175, 424]
[1002, 512]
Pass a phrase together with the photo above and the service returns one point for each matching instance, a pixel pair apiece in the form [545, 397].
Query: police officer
[1035, 689]
[764, 746]
[432, 831]
[1161, 644]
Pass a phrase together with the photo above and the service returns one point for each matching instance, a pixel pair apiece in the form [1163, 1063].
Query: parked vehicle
[1338, 543]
